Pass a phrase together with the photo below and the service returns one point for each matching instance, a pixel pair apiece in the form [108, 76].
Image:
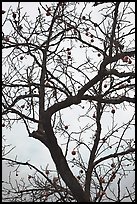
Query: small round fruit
[73, 152]
[81, 171]
[99, 54]
[113, 165]
[69, 57]
[29, 176]
[105, 85]
[21, 58]
[66, 127]
[68, 49]
[94, 116]
[128, 80]
[69, 53]
[47, 172]
[125, 59]
[87, 29]
[92, 40]
[83, 18]
[113, 111]
[7, 39]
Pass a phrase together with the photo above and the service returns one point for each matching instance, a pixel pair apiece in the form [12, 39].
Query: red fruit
[81, 171]
[87, 29]
[94, 116]
[99, 54]
[29, 176]
[69, 53]
[66, 127]
[125, 59]
[21, 58]
[73, 152]
[92, 40]
[7, 39]
[113, 165]
[128, 80]
[105, 85]
[91, 36]
[83, 18]
[47, 172]
[69, 57]
[68, 49]
[86, 33]
[113, 111]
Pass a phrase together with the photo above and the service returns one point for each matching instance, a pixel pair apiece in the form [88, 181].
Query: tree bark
[50, 141]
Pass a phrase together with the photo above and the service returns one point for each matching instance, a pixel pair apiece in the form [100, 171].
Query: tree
[75, 56]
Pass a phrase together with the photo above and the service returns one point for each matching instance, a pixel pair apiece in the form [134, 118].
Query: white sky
[29, 148]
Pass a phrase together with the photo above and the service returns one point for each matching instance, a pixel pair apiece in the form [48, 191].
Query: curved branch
[12, 110]
[34, 167]
[130, 150]
[50, 141]
[108, 100]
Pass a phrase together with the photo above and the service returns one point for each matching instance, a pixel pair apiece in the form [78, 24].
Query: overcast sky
[30, 149]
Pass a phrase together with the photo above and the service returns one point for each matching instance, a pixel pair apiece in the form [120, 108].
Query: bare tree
[75, 55]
